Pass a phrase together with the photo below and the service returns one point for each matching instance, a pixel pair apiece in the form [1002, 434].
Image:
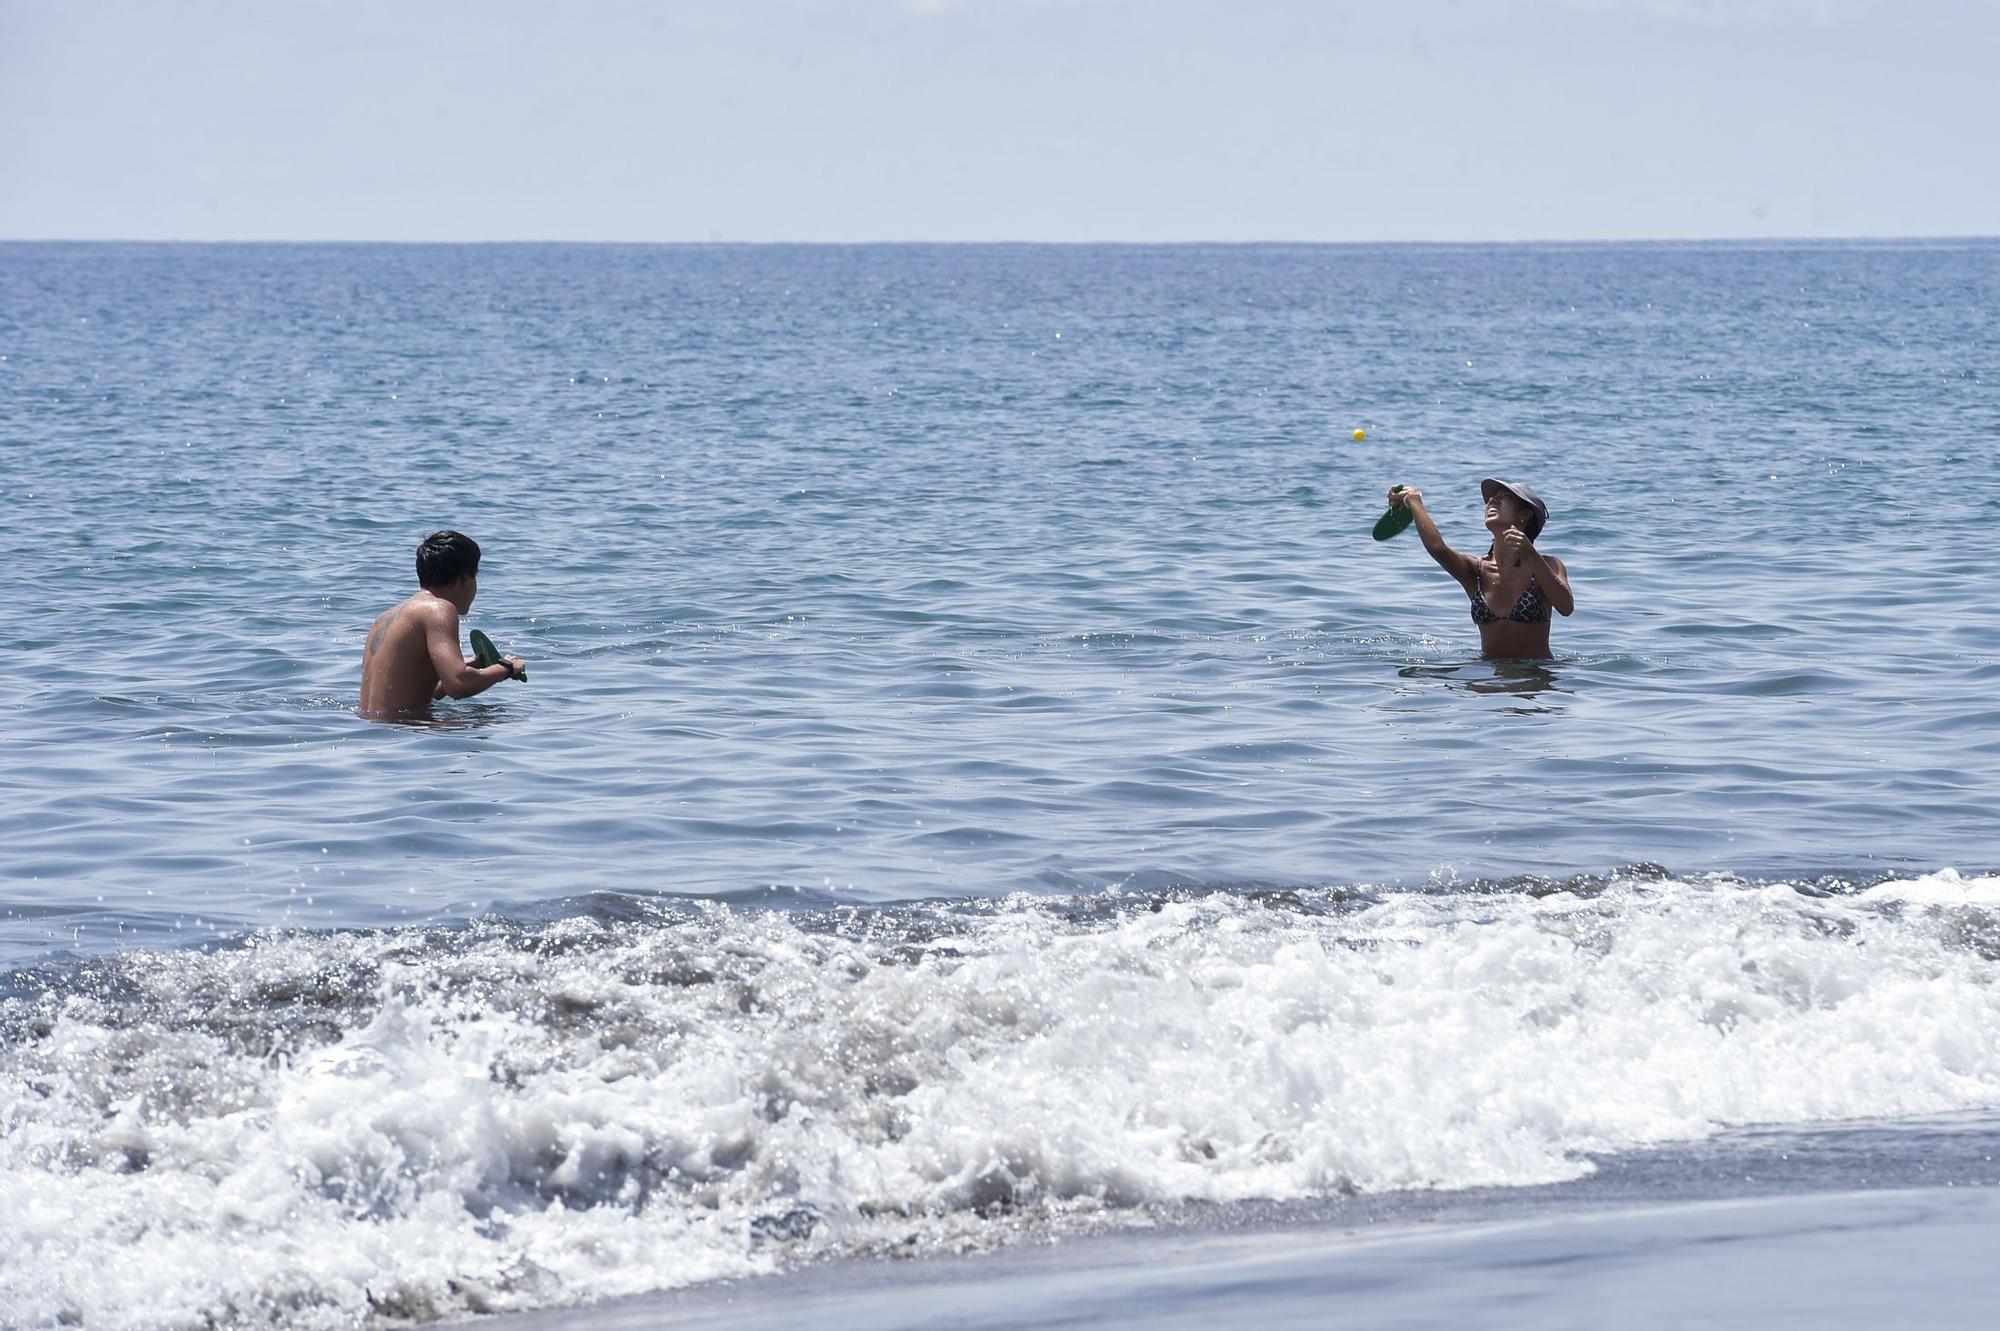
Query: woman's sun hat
[1526, 494]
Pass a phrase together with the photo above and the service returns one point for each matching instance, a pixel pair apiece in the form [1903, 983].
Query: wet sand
[1909, 1258]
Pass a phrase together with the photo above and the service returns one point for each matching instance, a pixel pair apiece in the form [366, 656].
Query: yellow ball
[1359, 435]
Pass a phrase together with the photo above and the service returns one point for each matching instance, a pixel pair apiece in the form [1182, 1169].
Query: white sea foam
[320, 1130]
[1947, 887]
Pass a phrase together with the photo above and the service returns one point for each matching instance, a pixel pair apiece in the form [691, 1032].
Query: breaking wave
[356, 1127]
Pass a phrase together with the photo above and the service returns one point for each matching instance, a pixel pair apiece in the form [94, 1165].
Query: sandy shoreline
[1912, 1258]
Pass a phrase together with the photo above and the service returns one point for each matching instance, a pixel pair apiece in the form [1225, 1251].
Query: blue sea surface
[1004, 619]
[904, 572]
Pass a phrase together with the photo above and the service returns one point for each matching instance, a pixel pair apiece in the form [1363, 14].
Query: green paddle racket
[1395, 520]
[484, 653]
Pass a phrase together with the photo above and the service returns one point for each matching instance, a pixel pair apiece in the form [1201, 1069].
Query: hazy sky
[997, 119]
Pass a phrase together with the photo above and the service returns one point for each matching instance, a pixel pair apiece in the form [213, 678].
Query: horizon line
[721, 243]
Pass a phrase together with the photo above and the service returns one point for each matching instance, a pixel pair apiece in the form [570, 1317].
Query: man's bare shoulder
[438, 616]
[422, 608]
[414, 617]
[433, 609]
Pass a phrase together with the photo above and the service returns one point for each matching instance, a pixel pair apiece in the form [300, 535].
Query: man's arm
[1461, 566]
[457, 677]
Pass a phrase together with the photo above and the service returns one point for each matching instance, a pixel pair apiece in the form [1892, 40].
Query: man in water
[413, 654]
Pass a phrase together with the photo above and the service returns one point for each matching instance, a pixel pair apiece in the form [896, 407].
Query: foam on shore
[318, 1128]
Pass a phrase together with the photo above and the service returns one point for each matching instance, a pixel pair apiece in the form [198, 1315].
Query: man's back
[397, 674]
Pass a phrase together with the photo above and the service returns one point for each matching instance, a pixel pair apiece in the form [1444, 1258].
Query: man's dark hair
[444, 558]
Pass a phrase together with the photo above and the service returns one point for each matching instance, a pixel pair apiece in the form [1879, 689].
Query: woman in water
[1513, 585]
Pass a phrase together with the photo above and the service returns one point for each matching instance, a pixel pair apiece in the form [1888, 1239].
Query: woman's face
[1504, 511]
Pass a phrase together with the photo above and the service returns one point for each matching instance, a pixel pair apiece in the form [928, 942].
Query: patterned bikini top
[1532, 608]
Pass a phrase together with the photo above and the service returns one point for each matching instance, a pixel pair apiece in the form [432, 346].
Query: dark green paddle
[484, 653]
[1395, 520]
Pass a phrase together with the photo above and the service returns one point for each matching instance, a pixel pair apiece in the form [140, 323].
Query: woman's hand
[1400, 495]
[1512, 545]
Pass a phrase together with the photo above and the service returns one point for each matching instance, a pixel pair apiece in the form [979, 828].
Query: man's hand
[516, 667]
[1512, 546]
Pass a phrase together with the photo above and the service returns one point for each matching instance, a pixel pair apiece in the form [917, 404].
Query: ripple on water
[1098, 615]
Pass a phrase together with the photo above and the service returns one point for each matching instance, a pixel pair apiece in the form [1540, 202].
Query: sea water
[977, 776]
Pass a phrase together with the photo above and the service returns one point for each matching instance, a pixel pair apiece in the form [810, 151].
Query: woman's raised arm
[1461, 566]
